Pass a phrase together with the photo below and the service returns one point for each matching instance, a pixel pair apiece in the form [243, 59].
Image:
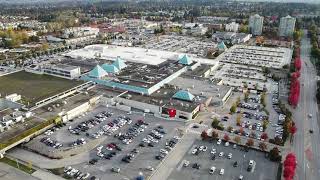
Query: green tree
[233, 108]
[238, 119]
[263, 146]
[215, 123]
[297, 35]
[274, 155]
[214, 135]
[246, 96]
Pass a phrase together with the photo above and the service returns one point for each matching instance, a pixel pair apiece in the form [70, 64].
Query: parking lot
[130, 157]
[263, 169]
[256, 121]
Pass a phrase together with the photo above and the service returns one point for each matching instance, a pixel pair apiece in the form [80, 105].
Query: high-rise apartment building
[256, 24]
[287, 25]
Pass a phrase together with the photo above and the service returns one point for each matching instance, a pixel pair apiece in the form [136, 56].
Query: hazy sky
[29, 1]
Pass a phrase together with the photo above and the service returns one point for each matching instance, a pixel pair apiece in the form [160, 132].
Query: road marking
[181, 165]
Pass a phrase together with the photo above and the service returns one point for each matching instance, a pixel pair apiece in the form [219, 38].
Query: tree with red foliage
[204, 135]
[295, 75]
[290, 165]
[264, 136]
[226, 137]
[241, 130]
[293, 130]
[297, 63]
[288, 173]
[290, 162]
[250, 142]
[294, 92]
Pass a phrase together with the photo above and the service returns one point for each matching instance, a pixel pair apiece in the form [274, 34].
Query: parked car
[221, 172]
[212, 169]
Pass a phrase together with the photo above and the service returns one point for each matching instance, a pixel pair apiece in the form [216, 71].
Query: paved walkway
[171, 161]
[43, 175]
[43, 162]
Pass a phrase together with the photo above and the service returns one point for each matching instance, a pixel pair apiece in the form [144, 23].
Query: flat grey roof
[163, 98]
[201, 87]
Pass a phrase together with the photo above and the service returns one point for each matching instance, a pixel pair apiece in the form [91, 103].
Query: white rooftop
[132, 54]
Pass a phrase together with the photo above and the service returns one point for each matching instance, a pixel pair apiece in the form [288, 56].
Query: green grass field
[34, 87]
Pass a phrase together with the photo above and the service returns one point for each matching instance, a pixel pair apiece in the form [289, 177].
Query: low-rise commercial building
[58, 70]
[231, 37]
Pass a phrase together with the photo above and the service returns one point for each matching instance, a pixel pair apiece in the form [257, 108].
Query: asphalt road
[306, 145]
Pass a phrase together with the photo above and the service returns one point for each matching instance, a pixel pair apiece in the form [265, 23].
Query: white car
[221, 172]
[67, 169]
[164, 151]
[212, 170]
[219, 142]
[234, 146]
[205, 149]
[221, 154]
[229, 155]
[149, 168]
[194, 151]
[201, 148]
[261, 129]
[213, 151]
[240, 177]
[227, 144]
[186, 163]
[85, 176]
[99, 148]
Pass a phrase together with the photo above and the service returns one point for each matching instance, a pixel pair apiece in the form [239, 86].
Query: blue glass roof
[185, 60]
[97, 72]
[222, 46]
[119, 63]
[183, 95]
[110, 68]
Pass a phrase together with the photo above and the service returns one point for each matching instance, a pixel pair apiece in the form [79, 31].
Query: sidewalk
[44, 175]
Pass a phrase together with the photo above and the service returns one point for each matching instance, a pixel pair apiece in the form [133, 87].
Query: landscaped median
[18, 165]
[28, 132]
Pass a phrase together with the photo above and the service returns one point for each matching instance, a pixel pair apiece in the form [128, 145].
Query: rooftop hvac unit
[165, 92]
[202, 93]
[181, 104]
[218, 95]
[218, 89]
[192, 86]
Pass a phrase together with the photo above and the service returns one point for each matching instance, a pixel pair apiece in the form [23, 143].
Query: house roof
[97, 72]
[183, 95]
[110, 68]
[119, 63]
[185, 60]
